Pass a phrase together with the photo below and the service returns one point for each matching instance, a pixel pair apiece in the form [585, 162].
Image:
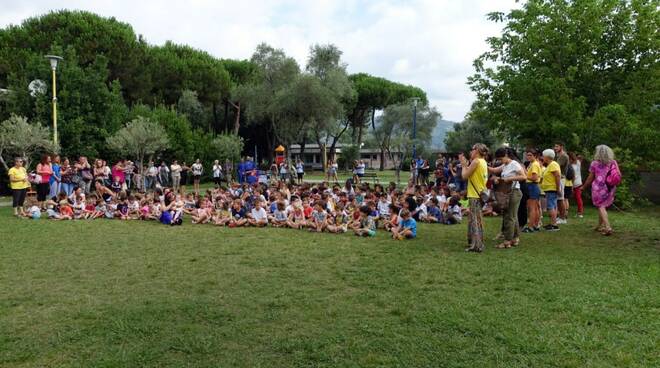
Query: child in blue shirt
[433, 214]
[407, 228]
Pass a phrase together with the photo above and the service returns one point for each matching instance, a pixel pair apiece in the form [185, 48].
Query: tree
[190, 106]
[560, 67]
[228, 147]
[394, 129]
[140, 138]
[18, 137]
[270, 86]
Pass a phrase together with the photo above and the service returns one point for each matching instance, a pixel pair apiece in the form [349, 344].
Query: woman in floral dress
[602, 196]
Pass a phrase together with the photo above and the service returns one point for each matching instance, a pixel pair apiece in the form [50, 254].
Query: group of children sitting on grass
[319, 208]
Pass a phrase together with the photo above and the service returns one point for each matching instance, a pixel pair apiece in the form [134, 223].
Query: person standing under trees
[217, 173]
[185, 171]
[56, 178]
[562, 200]
[476, 174]
[551, 186]
[83, 168]
[332, 171]
[300, 171]
[604, 176]
[19, 184]
[44, 170]
[197, 171]
[511, 172]
[175, 169]
[533, 193]
[576, 163]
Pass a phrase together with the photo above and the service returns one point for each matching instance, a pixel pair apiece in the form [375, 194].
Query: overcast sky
[430, 44]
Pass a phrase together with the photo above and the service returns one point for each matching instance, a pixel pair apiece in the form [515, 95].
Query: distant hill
[439, 133]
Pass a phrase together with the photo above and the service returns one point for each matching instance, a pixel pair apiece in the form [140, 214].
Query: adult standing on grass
[67, 173]
[533, 193]
[511, 173]
[217, 173]
[197, 171]
[175, 169]
[45, 171]
[83, 168]
[476, 174]
[576, 163]
[332, 171]
[604, 175]
[185, 171]
[562, 201]
[19, 184]
[300, 171]
[56, 178]
[551, 186]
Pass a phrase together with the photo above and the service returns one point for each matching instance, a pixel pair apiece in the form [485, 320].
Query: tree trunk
[359, 137]
[382, 159]
[215, 118]
[237, 121]
[225, 120]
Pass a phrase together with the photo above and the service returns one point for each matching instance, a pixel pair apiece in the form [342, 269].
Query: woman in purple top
[602, 195]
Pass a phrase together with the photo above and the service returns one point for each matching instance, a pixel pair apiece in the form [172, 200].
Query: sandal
[607, 232]
[515, 242]
[503, 245]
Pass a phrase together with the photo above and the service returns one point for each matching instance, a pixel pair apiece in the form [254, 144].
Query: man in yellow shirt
[18, 182]
[551, 185]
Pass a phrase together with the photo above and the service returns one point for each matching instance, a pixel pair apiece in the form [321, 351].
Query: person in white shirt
[576, 163]
[150, 178]
[511, 172]
[258, 216]
[383, 207]
[217, 173]
[300, 171]
[197, 171]
[175, 169]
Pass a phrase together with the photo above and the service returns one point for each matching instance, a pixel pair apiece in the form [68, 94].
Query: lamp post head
[414, 100]
[54, 59]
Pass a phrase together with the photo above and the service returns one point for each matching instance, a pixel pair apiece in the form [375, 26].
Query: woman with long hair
[602, 194]
[511, 172]
[44, 170]
[476, 174]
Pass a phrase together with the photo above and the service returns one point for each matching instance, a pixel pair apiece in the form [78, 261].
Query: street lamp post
[414, 137]
[53, 66]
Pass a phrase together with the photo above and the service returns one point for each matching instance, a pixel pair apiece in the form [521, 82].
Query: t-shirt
[240, 213]
[534, 167]
[548, 183]
[18, 173]
[280, 215]
[434, 212]
[477, 181]
[217, 170]
[197, 169]
[511, 169]
[319, 216]
[300, 168]
[563, 161]
[577, 181]
[176, 170]
[259, 214]
[410, 224]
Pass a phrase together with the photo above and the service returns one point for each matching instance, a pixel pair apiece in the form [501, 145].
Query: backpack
[570, 173]
[613, 177]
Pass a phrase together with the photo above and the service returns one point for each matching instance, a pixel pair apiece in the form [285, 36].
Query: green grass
[133, 294]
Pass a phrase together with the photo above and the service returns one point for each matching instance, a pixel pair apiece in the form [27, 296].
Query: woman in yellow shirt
[551, 185]
[476, 174]
[18, 182]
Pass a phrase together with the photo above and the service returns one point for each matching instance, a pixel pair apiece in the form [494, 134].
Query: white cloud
[427, 43]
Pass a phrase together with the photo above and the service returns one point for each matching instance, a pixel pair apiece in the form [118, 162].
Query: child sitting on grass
[366, 225]
[297, 218]
[279, 217]
[238, 214]
[407, 228]
[433, 214]
[453, 214]
[258, 216]
[338, 222]
[223, 215]
[394, 217]
[319, 217]
[33, 212]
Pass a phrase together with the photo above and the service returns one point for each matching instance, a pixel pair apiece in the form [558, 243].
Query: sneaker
[527, 230]
[561, 221]
[552, 228]
[580, 216]
[536, 229]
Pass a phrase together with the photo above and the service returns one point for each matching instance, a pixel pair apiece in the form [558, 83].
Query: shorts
[533, 191]
[300, 176]
[196, 177]
[562, 183]
[568, 192]
[359, 175]
[551, 199]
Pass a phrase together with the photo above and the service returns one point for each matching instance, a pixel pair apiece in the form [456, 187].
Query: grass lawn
[132, 294]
